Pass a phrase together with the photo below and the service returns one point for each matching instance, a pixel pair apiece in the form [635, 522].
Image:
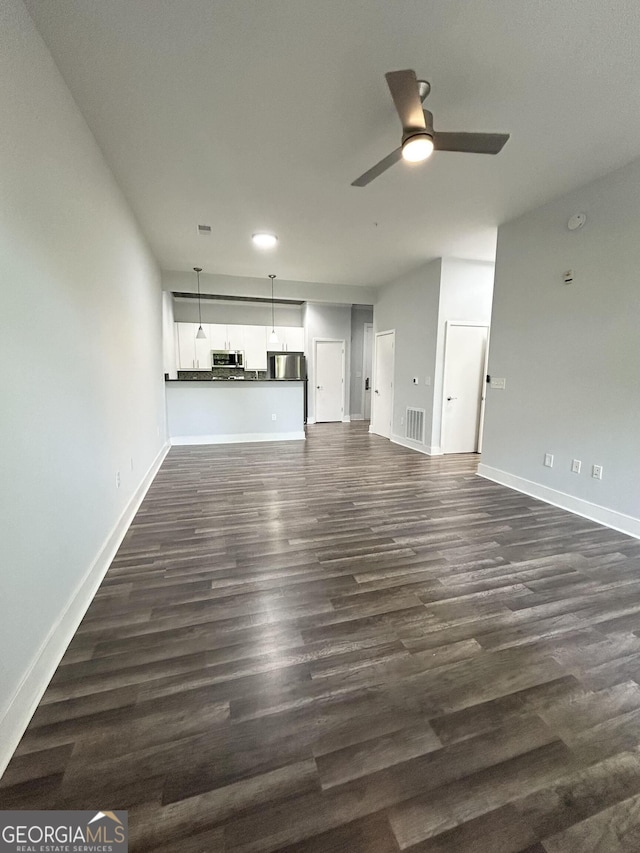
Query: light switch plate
[548, 460]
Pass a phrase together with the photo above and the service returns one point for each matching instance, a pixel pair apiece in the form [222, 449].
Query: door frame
[375, 373]
[483, 392]
[315, 341]
[364, 378]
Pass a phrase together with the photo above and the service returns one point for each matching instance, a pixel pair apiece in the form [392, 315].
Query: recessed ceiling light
[263, 240]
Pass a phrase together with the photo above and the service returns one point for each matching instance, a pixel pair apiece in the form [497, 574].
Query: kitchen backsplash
[221, 373]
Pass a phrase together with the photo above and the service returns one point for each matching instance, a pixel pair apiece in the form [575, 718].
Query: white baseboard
[594, 512]
[416, 445]
[357, 417]
[25, 700]
[237, 438]
[311, 420]
[346, 419]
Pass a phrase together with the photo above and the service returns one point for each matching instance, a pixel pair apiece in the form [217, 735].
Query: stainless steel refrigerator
[286, 365]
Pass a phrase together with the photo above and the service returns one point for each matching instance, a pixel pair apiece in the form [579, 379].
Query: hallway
[343, 645]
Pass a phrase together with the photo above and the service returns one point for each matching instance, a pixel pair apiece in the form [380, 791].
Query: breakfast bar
[224, 412]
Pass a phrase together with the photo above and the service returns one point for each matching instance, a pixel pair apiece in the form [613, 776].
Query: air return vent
[204, 230]
[414, 424]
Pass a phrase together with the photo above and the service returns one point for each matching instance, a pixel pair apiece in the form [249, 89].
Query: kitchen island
[221, 411]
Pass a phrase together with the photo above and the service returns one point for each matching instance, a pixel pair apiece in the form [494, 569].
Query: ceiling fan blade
[378, 169]
[403, 86]
[471, 143]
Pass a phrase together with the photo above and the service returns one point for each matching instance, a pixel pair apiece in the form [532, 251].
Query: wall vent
[414, 424]
[204, 230]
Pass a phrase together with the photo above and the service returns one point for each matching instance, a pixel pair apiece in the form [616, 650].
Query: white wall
[466, 291]
[570, 354]
[237, 313]
[81, 386]
[360, 314]
[418, 306]
[331, 322]
[169, 353]
[410, 306]
[229, 285]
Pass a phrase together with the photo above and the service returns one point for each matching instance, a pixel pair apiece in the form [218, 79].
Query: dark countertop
[233, 381]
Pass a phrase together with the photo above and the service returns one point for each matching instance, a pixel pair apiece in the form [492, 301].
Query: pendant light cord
[273, 325]
[198, 270]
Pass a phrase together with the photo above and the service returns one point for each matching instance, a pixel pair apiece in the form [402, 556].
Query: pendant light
[200, 333]
[273, 338]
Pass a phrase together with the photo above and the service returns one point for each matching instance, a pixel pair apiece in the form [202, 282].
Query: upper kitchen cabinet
[254, 346]
[218, 336]
[186, 346]
[290, 338]
[236, 337]
[193, 353]
[227, 337]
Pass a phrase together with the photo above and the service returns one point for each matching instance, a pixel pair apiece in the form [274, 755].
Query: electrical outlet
[596, 472]
[274, 417]
[427, 380]
[401, 421]
[576, 465]
[548, 460]
[498, 383]
[117, 479]
[132, 463]
[416, 381]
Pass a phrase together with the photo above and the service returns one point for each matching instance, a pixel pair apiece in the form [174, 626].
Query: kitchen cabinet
[291, 339]
[226, 337]
[193, 353]
[218, 335]
[203, 349]
[186, 346]
[255, 347]
[236, 337]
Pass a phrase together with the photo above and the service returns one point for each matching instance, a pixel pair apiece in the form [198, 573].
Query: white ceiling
[252, 114]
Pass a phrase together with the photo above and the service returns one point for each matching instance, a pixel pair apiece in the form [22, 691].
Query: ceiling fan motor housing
[427, 130]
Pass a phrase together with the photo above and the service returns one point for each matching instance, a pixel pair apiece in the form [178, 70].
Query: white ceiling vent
[414, 424]
[204, 230]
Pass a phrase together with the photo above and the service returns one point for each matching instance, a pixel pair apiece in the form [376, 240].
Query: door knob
[452, 398]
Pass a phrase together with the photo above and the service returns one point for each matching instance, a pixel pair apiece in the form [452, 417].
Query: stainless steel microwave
[227, 358]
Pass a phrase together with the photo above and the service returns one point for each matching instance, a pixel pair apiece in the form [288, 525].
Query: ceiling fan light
[263, 240]
[417, 148]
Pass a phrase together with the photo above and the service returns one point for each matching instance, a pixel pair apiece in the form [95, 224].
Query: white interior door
[464, 368]
[383, 384]
[367, 358]
[329, 374]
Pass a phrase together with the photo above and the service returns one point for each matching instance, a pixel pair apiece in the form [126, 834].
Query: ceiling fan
[419, 139]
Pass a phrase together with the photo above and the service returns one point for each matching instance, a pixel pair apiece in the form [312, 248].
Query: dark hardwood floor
[343, 645]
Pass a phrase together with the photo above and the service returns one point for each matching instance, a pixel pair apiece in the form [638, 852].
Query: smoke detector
[576, 221]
